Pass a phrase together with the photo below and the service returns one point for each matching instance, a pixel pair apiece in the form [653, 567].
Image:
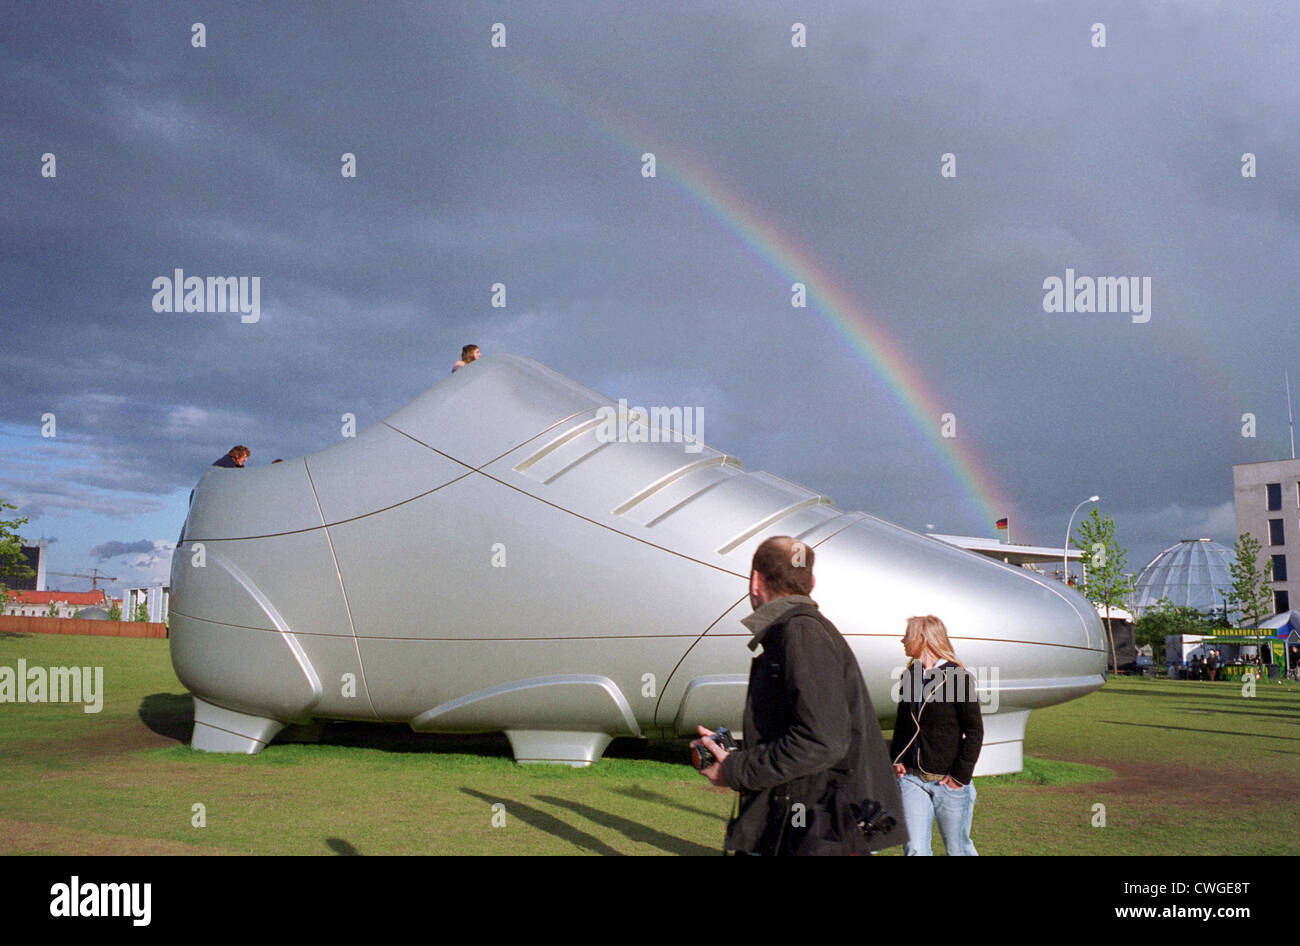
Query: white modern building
[37, 604]
[1026, 556]
[156, 600]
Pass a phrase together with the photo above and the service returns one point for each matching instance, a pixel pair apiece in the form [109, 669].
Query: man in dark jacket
[812, 744]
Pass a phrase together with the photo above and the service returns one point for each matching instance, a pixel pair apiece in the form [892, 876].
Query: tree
[53, 610]
[13, 566]
[1250, 593]
[141, 612]
[1104, 560]
[1167, 619]
[115, 612]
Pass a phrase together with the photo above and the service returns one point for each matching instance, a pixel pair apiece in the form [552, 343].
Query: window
[1281, 602]
[1279, 568]
[1274, 496]
[1275, 534]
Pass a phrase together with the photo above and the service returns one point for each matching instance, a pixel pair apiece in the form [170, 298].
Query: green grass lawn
[1180, 768]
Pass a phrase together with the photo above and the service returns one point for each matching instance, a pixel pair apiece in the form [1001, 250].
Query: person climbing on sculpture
[235, 458]
[467, 354]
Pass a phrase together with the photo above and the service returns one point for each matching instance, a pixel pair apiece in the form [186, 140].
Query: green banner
[1242, 632]
[1236, 671]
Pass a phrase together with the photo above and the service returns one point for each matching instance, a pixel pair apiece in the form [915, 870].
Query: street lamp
[1065, 550]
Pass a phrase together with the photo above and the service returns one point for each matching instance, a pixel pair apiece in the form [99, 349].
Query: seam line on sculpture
[477, 640]
[339, 522]
[687, 653]
[621, 637]
[492, 640]
[478, 469]
[347, 603]
[250, 627]
[859, 516]
[241, 735]
[993, 640]
[374, 512]
[602, 525]
[725, 571]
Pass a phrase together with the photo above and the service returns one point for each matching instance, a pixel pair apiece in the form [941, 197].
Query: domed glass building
[1194, 573]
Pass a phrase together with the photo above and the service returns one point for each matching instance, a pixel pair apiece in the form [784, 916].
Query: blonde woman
[937, 740]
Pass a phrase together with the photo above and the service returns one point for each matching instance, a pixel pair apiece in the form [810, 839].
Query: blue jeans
[924, 802]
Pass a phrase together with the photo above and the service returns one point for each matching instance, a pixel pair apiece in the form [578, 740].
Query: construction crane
[95, 579]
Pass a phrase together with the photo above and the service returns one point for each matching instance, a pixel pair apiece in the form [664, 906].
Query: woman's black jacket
[947, 726]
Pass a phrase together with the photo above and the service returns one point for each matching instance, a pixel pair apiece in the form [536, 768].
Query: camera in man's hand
[702, 757]
[872, 818]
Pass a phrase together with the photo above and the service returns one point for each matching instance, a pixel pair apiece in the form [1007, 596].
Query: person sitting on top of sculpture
[467, 354]
[236, 457]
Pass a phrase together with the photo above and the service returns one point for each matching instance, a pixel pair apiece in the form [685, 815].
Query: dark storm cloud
[522, 165]
[117, 549]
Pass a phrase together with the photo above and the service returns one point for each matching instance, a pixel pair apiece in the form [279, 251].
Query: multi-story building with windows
[1266, 497]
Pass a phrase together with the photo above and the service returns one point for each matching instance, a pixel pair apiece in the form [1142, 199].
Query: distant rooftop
[49, 597]
[1012, 554]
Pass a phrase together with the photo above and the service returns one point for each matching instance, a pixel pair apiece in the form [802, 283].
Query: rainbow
[778, 252]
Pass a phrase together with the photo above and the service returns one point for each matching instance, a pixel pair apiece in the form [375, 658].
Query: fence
[26, 625]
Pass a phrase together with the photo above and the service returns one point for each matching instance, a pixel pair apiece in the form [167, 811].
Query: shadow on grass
[11, 635]
[672, 751]
[644, 794]
[632, 830]
[542, 821]
[1051, 772]
[172, 715]
[169, 714]
[393, 737]
[341, 847]
[399, 737]
[1215, 732]
[1239, 711]
[1220, 690]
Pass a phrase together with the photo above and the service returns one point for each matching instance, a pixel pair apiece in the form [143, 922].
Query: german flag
[1001, 523]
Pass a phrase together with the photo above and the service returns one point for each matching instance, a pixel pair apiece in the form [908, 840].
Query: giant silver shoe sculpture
[486, 559]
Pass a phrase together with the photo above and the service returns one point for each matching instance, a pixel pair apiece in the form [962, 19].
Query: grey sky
[477, 165]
